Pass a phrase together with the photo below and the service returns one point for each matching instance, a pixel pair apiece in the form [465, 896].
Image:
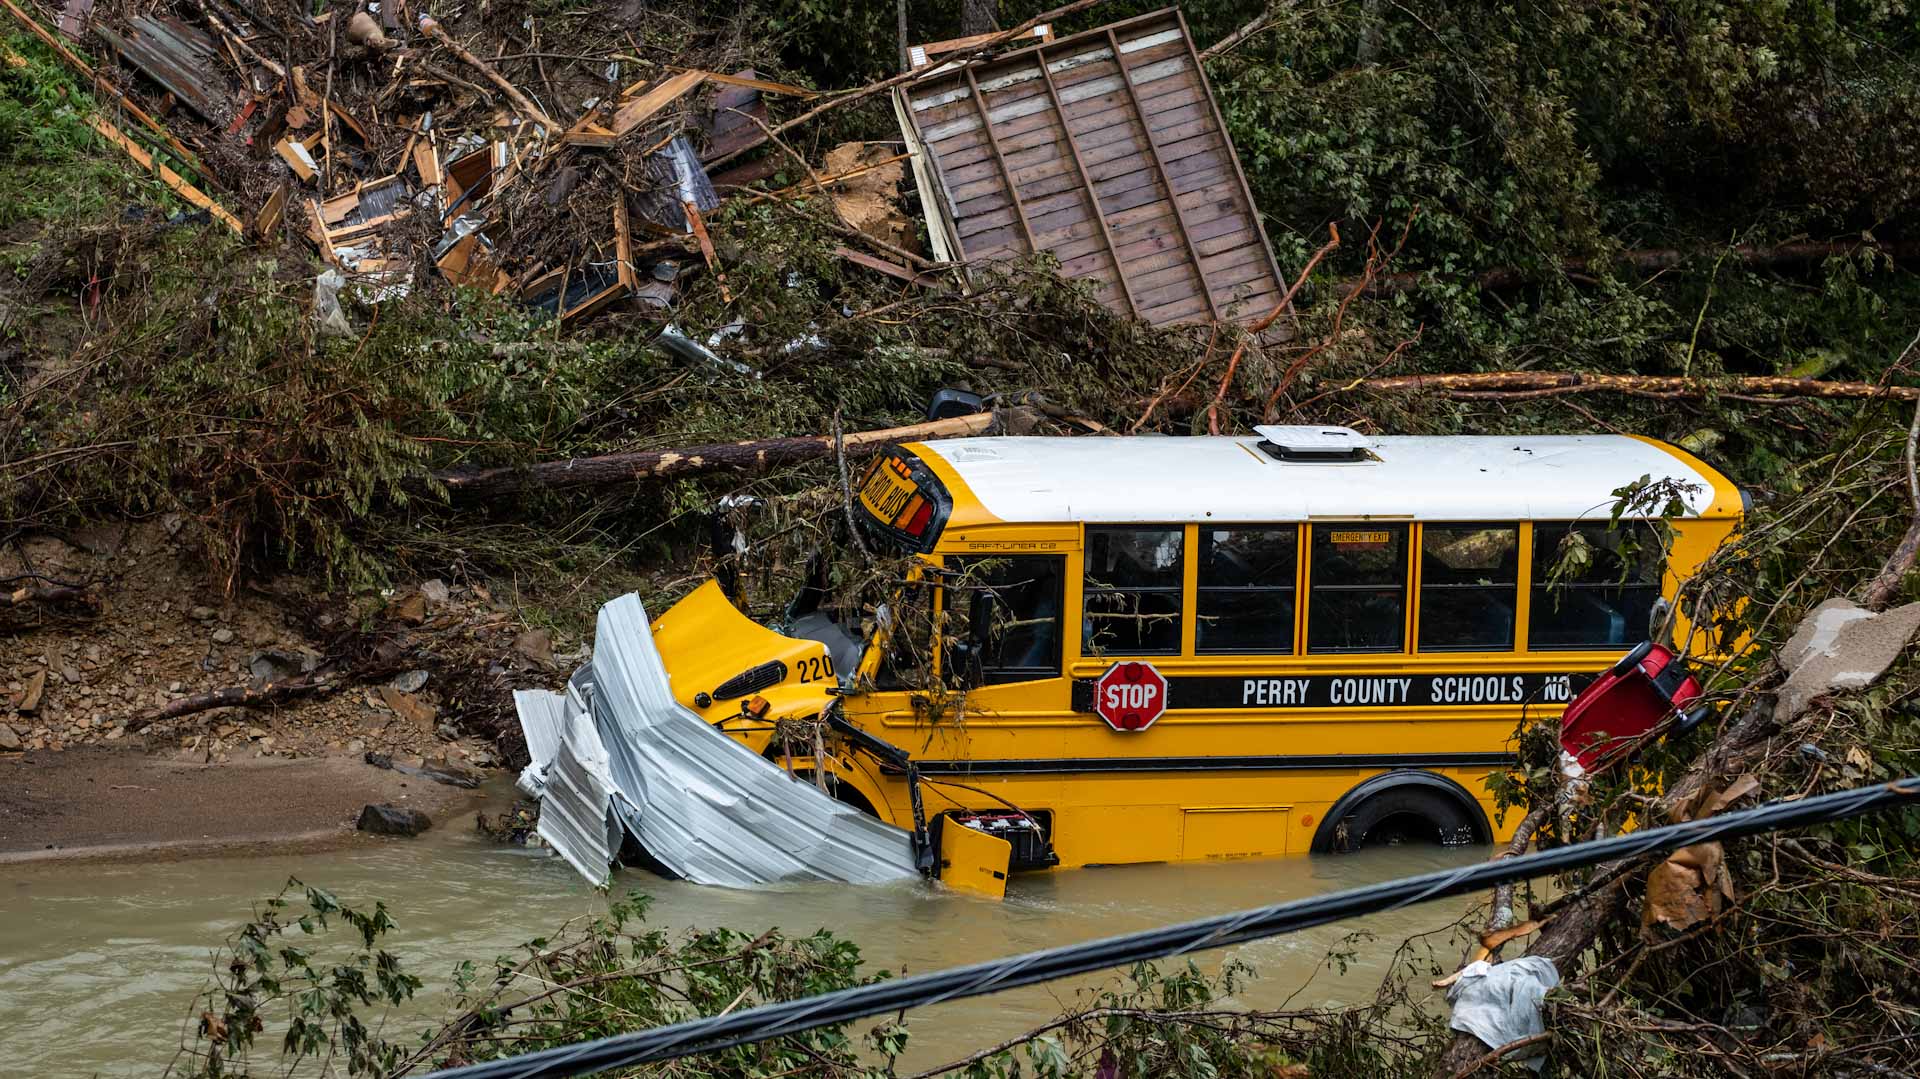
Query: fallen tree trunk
[1651, 260]
[754, 456]
[1512, 385]
[270, 693]
[50, 595]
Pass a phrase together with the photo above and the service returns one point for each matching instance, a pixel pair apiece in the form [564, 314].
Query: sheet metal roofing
[1107, 151]
[1228, 479]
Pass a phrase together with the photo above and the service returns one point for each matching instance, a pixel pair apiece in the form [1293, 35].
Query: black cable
[826, 1009]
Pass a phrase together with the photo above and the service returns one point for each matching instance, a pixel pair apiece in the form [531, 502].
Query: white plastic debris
[327, 312]
[1501, 1003]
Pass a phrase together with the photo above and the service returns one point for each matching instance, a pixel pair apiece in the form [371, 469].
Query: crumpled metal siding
[707, 807]
[574, 817]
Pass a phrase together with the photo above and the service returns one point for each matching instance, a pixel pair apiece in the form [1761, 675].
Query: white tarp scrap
[1500, 1003]
[704, 805]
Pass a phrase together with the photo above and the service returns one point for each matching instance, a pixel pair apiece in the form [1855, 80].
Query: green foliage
[312, 983]
[608, 975]
[53, 167]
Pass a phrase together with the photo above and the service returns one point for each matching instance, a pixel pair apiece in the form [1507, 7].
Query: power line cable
[793, 1016]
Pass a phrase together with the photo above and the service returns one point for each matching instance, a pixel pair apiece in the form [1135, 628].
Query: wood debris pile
[566, 176]
[580, 173]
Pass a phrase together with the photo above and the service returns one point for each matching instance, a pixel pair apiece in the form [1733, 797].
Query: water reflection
[98, 962]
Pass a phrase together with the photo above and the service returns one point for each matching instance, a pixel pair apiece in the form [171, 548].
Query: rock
[409, 707]
[30, 697]
[436, 591]
[387, 819]
[116, 733]
[175, 687]
[356, 746]
[272, 666]
[536, 645]
[202, 614]
[9, 739]
[409, 607]
[71, 674]
[409, 681]
[363, 31]
[256, 733]
[172, 522]
[223, 635]
[448, 731]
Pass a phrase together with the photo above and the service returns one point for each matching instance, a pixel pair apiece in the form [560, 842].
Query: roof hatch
[1314, 443]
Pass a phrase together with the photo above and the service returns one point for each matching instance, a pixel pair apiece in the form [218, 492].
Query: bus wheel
[1402, 807]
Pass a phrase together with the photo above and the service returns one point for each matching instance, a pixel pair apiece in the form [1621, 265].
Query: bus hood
[618, 750]
[713, 653]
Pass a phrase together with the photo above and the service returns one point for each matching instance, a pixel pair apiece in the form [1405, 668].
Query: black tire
[1420, 808]
[1632, 659]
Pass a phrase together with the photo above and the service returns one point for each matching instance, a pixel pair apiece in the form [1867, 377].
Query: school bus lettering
[1369, 691]
[1480, 689]
[1280, 691]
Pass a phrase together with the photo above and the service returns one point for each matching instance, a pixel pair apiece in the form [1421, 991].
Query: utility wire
[793, 1016]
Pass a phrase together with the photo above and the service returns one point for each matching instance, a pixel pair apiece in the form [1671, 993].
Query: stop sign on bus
[1130, 696]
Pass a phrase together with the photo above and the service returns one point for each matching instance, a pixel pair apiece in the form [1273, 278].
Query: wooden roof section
[1106, 150]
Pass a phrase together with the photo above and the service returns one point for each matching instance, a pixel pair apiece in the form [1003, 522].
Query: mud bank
[98, 802]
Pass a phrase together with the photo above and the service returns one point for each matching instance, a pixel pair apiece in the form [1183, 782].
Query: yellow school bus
[1338, 634]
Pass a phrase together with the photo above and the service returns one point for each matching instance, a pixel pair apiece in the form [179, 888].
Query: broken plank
[891, 269]
[191, 194]
[641, 109]
[762, 85]
[622, 242]
[271, 213]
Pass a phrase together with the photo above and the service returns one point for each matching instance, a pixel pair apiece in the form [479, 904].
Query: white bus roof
[1233, 479]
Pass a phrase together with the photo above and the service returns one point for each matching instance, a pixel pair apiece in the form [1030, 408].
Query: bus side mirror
[1660, 622]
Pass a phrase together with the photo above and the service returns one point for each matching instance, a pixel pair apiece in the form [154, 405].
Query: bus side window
[1606, 593]
[907, 662]
[1357, 588]
[1469, 578]
[1006, 610]
[1133, 585]
[1245, 601]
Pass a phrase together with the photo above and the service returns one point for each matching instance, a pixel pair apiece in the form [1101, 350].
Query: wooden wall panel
[1106, 151]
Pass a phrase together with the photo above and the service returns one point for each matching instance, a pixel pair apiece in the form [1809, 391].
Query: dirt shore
[101, 802]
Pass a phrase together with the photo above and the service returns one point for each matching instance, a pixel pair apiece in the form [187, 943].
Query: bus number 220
[815, 668]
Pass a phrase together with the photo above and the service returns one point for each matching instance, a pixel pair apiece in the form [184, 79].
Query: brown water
[98, 963]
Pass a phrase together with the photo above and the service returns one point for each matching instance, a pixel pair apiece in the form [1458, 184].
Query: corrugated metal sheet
[1107, 151]
[178, 57]
[707, 807]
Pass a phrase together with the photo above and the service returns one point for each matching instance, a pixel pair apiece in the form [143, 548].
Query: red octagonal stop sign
[1130, 696]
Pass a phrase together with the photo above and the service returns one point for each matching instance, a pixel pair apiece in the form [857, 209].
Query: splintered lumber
[762, 85]
[432, 28]
[753, 456]
[1524, 384]
[172, 179]
[642, 108]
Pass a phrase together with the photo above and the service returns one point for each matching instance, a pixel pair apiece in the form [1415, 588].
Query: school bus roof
[1231, 479]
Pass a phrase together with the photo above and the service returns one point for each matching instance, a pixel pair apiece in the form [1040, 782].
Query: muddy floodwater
[98, 962]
